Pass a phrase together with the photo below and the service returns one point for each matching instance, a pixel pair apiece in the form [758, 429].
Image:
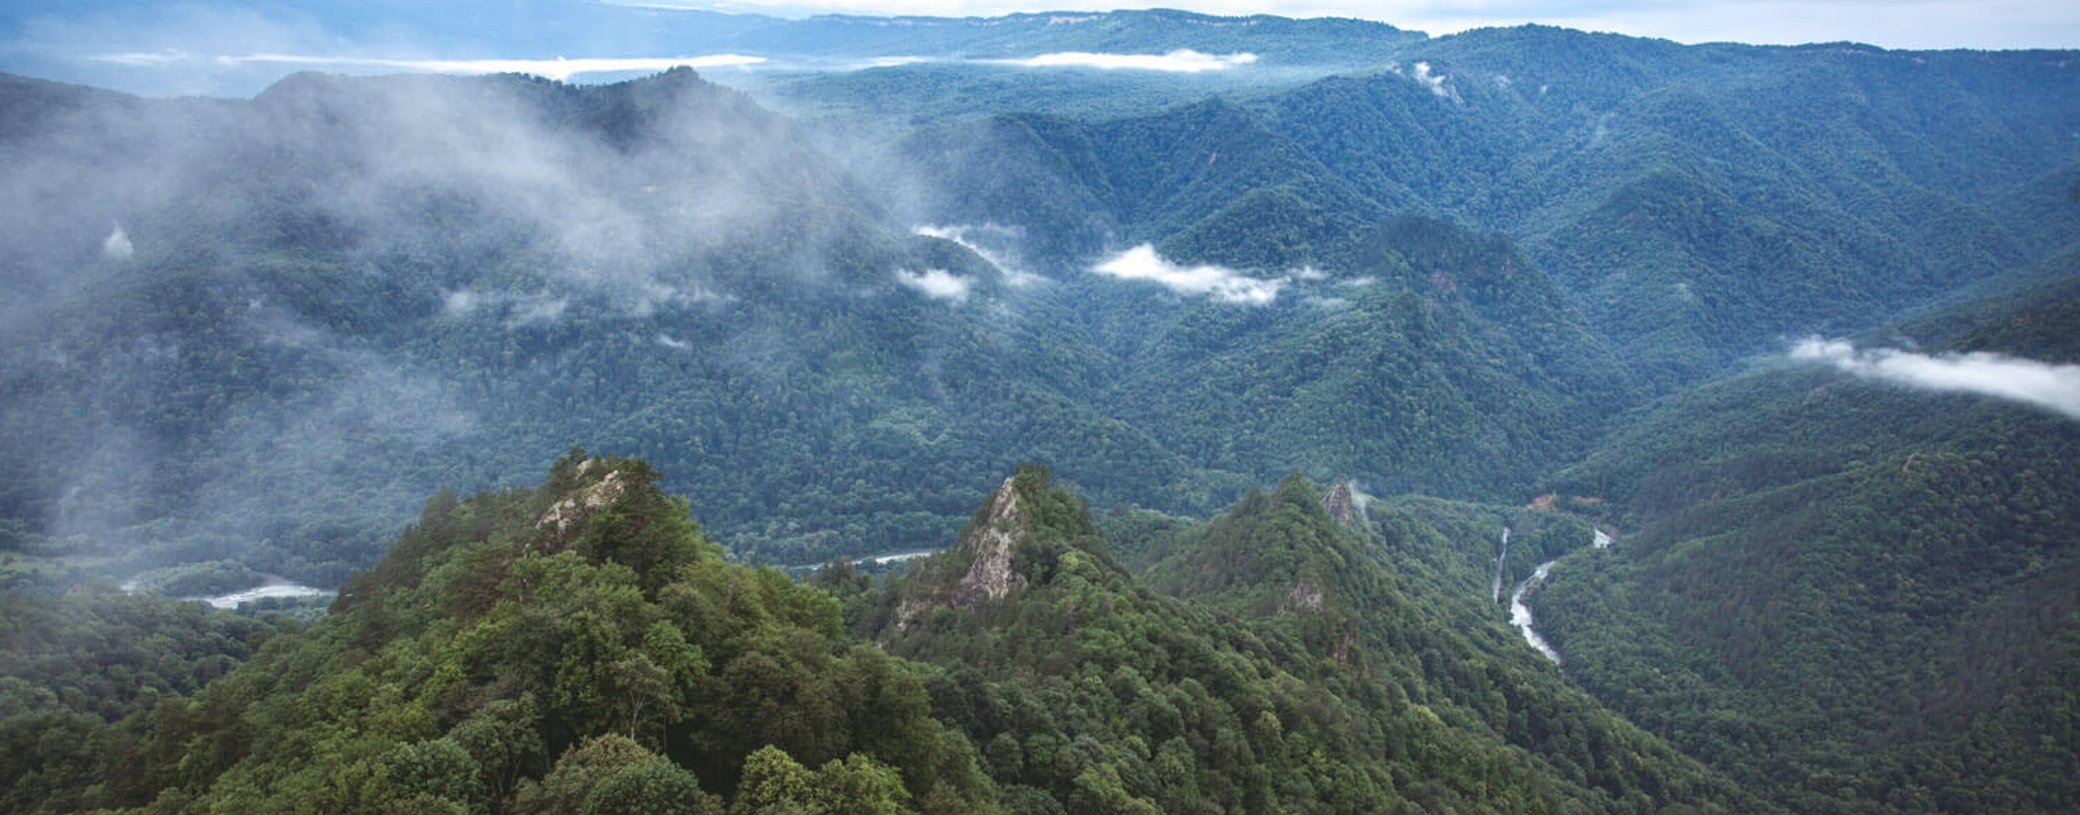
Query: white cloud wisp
[2040, 384]
[117, 245]
[937, 284]
[1218, 282]
[967, 236]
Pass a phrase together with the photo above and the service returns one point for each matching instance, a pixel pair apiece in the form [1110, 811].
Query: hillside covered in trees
[1746, 377]
[580, 647]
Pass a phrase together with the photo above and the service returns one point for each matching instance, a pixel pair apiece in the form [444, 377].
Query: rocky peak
[991, 573]
[991, 576]
[568, 516]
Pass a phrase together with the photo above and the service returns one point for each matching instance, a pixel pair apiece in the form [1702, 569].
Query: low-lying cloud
[1435, 82]
[1218, 282]
[117, 245]
[2041, 384]
[937, 283]
[517, 309]
[1183, 60]
[973, 237]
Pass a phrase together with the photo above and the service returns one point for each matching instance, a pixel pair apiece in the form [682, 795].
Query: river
[1520, 614]
[882, 559]
[273, 587]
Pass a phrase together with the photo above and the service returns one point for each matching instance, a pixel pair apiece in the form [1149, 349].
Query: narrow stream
[1499, 560]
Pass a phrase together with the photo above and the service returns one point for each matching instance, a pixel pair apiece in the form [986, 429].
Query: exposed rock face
[569, 514]
[1338, 503]
[991, 574]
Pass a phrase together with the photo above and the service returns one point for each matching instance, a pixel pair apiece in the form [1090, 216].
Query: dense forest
[1862, 594]
[1450, 287]
[1751, 370]
[582, 647]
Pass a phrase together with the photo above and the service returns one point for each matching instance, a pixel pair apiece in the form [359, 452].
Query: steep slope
[578, 647]
[1077, 188]
[346, 292]
[1753, 192]
[1309, 682]
[1856, 590]
[303, 310]
[1698, 201]
[409, 281]
[71, 664]
[1431, 360]
[1387, 596]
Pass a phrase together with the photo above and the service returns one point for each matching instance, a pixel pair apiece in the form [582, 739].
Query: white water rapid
[1520, 614]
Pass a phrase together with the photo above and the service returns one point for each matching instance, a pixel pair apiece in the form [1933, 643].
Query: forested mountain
[579, 647]
[419, 267]
[1793, 326]
[1862, 594]
[1700, 202]
[435, 280]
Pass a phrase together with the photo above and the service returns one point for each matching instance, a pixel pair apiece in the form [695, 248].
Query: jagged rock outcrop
[991, 573]
[1338, 503]
[991, 576]
[567, 517]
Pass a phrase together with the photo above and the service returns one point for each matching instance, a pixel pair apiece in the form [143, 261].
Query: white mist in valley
[2039, 384]
[331, 427]
[937, 284]
[1218, 282]
[991, 242]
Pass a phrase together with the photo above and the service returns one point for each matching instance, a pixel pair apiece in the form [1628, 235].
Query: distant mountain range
[666, 268]
[1792, 325]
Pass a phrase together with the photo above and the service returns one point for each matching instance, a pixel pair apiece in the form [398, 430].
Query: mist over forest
[1140, 411]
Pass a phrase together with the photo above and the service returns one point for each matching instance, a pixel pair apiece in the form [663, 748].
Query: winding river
[1519, 611]
[270, 589]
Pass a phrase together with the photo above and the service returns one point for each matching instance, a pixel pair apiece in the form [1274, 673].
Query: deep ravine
[1519, 611]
